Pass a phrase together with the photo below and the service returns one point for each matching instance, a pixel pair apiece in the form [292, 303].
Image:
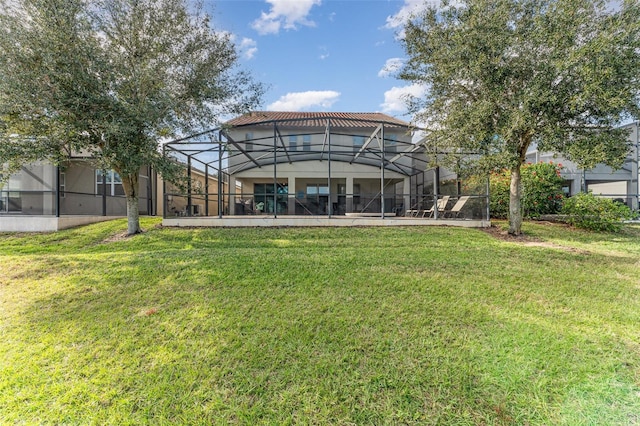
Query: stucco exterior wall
[341, 141]
[602, 180]
[32, 191]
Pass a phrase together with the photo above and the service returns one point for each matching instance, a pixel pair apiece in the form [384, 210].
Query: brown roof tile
[316, 119]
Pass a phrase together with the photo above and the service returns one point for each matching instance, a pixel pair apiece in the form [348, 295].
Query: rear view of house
[286, 165]
[263, 168]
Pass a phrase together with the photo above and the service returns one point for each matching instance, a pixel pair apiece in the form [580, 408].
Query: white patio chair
[442, 204]
[457, 207]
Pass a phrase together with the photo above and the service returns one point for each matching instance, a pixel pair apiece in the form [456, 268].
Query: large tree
[112, 78]
[503, 74]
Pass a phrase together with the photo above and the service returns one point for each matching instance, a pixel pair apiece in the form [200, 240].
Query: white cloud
[287, 14]
[409, 9]
[395, 99]
[248, 48]
[406, 11]
[304, 101]
[391, 67]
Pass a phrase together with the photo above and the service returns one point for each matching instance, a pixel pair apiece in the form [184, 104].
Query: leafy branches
[504, 74]
[112, 78]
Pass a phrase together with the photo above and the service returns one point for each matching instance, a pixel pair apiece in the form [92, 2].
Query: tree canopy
[112, 78]
[503, 74]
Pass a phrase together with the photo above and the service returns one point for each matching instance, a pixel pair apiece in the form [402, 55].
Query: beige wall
[81, 197]
[177, 202]
[341, 145]
[35, 185]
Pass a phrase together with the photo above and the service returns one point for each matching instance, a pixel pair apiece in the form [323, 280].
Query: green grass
[429, 325]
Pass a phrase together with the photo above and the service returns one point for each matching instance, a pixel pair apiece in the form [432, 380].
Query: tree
[503, 74]
[541, 190]
[112, 78]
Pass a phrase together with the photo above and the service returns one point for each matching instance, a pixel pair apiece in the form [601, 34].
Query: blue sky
[321, 55]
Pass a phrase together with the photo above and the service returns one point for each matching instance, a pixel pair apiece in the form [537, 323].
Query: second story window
[358, 142]
[391, 143]
[293, 142]
[248, 144]
[306, 142]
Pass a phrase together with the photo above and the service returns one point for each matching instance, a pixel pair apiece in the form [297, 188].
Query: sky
[321, 55]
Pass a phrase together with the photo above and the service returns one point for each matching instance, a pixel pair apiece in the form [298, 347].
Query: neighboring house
[43, 197]
[201, 197]
[621, 184]
[301, 164]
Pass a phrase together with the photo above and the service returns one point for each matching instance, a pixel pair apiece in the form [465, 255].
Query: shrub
[595, 213]
[499, 183]
[541, 190]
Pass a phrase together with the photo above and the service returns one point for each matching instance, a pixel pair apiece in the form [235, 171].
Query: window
[109, 183]
[356, 193]
[391, 143]
[318, 198]
[248, 144]
[10, 194]
[358, 143]
[317, 189]
[293, 142]
[306, 142]
[62, 184]
[264, 198]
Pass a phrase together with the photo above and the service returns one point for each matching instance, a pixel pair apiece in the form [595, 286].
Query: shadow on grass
[334, 327]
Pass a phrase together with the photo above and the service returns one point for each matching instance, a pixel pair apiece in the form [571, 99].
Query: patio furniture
[455, 210]
[442, 204]
[411, 213]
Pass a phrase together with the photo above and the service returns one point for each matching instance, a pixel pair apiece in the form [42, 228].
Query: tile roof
[316, 119]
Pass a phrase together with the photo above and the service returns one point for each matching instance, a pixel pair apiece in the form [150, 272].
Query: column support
[291, 196]
[57, 191]
[349, 207]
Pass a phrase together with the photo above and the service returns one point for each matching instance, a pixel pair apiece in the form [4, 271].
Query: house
[263, 168]
[621, 184]
[282, 168]
[204, 195]
[44, 197]
[326, 164]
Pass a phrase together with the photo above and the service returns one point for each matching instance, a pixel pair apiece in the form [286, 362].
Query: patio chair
[414, 210]
[455, 210]
[442, 204]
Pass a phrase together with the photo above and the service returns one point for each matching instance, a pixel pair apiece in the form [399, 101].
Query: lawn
[430, 325]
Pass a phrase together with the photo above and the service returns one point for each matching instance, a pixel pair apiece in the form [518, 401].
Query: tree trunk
[130, 186]
[515, 202]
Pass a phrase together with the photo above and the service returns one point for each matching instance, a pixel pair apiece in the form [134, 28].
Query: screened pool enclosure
[333, 165]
